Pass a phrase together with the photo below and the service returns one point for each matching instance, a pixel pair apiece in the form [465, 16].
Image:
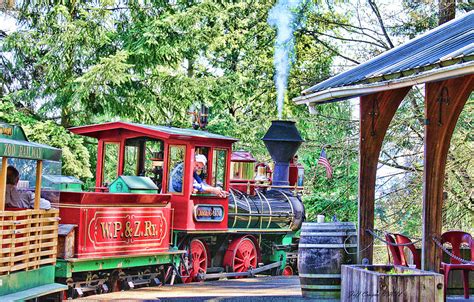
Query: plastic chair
[393, 250]
[402, 239]
[456, 238]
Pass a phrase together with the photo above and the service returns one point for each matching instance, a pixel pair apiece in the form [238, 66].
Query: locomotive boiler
[263, 201]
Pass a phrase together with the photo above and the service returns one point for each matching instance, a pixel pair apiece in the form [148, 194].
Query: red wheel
[287, 271]
[241, 255]
[197, 261]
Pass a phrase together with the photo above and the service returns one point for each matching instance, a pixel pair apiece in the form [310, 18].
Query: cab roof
[164, 132]
[13, 143]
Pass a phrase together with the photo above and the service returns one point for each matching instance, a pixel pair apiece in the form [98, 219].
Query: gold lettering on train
[137, 229]
[6, 131]
[116, 229]
[105, 229]
[148, 225]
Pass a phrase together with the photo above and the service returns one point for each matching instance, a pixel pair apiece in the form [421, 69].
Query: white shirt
[23, 199]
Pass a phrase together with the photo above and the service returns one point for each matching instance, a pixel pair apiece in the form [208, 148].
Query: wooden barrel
[320, 256]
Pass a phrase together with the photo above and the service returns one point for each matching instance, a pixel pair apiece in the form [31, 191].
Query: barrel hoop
[335, 287]
[330, 276]
[328, 234]
[329, 225]
[328, 229]
[327, 246]
[334, 228]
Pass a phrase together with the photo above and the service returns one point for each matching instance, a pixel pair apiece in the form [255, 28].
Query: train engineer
[199, 185]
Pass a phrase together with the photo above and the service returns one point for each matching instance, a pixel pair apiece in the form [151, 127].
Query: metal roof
[186, 132]
[159, 131]
[448, 46]
[13, 143]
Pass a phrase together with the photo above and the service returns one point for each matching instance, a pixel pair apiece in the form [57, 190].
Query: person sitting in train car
[20, 199]
[199, 185]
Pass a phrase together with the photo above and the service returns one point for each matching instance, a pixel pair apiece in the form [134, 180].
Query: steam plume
[282, 17]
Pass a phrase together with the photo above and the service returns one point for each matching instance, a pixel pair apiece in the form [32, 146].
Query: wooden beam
[99, 174]
[376, 113]
[121, 157]
[444, 102]
[39, 171]
[3, 182]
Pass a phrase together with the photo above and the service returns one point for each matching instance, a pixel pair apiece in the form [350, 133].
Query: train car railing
[28, 239]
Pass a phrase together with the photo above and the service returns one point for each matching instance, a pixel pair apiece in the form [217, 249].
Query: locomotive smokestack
[282, 141]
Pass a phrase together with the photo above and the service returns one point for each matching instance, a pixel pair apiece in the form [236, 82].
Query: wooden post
[39, 170]
[99, 174]
[444, 102]
[3, 182]
[376, 112]
[141, 157]
[121, 157]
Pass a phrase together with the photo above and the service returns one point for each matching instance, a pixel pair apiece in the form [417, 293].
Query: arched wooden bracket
[376, 112]
[442, 98]
[455, 92]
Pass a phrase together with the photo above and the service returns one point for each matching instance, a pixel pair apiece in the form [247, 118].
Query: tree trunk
[447, 11]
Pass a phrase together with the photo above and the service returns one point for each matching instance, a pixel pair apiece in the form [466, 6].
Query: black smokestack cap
[282, 141]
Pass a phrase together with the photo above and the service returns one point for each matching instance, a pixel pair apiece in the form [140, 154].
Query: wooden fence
[28, 239]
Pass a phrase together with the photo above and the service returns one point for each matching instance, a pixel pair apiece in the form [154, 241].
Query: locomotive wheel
[197, 261]
[241, 255]
[287, 271]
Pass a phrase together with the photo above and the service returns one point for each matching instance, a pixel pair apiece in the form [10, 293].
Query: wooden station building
[442, 61]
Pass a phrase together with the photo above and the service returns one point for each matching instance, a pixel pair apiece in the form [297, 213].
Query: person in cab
[199, 185]
[20, 199]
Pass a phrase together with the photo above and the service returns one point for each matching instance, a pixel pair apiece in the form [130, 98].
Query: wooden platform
[260, 289]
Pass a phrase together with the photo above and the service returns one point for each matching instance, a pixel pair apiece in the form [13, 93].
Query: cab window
[242, 170]
[176, 168]
[111, 154]
[203, 174]
[219, 162]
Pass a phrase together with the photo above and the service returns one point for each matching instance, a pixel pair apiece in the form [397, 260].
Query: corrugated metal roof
[184, 131]
[96, 130]
[448, 44]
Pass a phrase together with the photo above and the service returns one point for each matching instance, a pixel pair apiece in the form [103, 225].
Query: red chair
[402, 239]
[456, 238]
[393, 250]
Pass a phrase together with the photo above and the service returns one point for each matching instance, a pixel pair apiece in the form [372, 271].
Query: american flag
[323, 161]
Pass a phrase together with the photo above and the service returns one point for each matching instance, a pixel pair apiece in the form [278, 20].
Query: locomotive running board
[250, 273]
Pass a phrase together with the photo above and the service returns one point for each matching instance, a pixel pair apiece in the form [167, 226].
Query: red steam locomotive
[144, 223]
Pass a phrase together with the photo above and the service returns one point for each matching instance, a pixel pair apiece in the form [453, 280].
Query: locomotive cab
[160, 161]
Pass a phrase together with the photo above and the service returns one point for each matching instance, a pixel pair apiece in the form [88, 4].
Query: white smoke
[282, 17]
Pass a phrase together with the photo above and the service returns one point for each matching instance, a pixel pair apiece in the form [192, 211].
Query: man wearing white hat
[200, 161]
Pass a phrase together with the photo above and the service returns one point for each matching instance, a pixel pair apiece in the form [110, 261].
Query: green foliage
[332, 128]
[75, 157]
